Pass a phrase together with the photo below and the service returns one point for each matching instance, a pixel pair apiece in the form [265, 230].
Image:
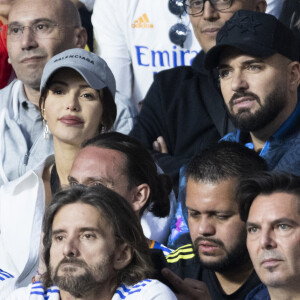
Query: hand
[160, 145]
[187, 289]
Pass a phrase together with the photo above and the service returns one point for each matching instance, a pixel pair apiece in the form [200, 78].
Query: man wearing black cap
[258, 63]
[183, 113]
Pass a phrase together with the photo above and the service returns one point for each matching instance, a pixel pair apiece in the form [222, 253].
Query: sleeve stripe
[183, 252]
[176, 259]
[183, 249]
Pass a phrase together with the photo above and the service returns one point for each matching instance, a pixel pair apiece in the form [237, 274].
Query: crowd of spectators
[149, 149]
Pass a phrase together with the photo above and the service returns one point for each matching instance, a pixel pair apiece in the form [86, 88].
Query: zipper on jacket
[26, 158]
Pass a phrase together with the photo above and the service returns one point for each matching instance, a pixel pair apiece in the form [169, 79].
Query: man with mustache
[94, 249]
[258, 63]
[218, 255]
[37, 30]
[269, 203]
[182, 112]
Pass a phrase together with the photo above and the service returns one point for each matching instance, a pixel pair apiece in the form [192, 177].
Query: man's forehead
[30, 10]
[211, 195]
[101, 155]
[79, 216]
[96, 161]
[277, 205]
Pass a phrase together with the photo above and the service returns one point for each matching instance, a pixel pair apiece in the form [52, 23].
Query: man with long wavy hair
[94, 248]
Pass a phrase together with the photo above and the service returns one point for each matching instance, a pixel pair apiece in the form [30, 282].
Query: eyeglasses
[179, 31]
[41, 30]
[196, 7]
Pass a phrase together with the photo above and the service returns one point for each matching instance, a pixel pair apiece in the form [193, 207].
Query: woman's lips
[71, 120]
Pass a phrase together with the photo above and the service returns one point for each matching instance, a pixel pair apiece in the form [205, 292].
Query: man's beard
[234, 258]
[251, 122]
[83, 284]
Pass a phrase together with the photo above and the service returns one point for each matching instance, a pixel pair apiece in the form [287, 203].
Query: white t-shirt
[148, 289]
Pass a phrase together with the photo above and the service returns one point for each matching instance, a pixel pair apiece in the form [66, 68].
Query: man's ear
[140, 197]
[294, 75]
[123, 257]
[261, 6]
[80, 37]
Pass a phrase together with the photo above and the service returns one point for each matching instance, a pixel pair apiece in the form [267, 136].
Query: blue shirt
[282, 150]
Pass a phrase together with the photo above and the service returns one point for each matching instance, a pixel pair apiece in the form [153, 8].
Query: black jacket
[184, 107]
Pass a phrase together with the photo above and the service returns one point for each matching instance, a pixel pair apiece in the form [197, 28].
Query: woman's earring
[46, 130]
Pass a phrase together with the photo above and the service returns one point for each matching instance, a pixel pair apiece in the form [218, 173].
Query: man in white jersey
[94, 248]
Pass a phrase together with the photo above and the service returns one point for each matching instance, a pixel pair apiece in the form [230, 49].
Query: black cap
[254, 33]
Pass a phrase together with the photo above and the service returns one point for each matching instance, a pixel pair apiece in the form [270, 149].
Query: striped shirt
[5, 275]
[148, 289]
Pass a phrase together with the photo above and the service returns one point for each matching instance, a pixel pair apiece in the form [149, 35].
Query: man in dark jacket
[182, 112]
[258, 63]
[217, 255]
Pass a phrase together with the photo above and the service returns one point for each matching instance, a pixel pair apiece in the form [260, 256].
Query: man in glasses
[37, 30]
[183, 113]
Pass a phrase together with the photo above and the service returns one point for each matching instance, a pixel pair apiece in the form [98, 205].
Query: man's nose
[267, 239]
[28, 39]
[209, 13]
[206, 227]
[70, 248]
[239, 81]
